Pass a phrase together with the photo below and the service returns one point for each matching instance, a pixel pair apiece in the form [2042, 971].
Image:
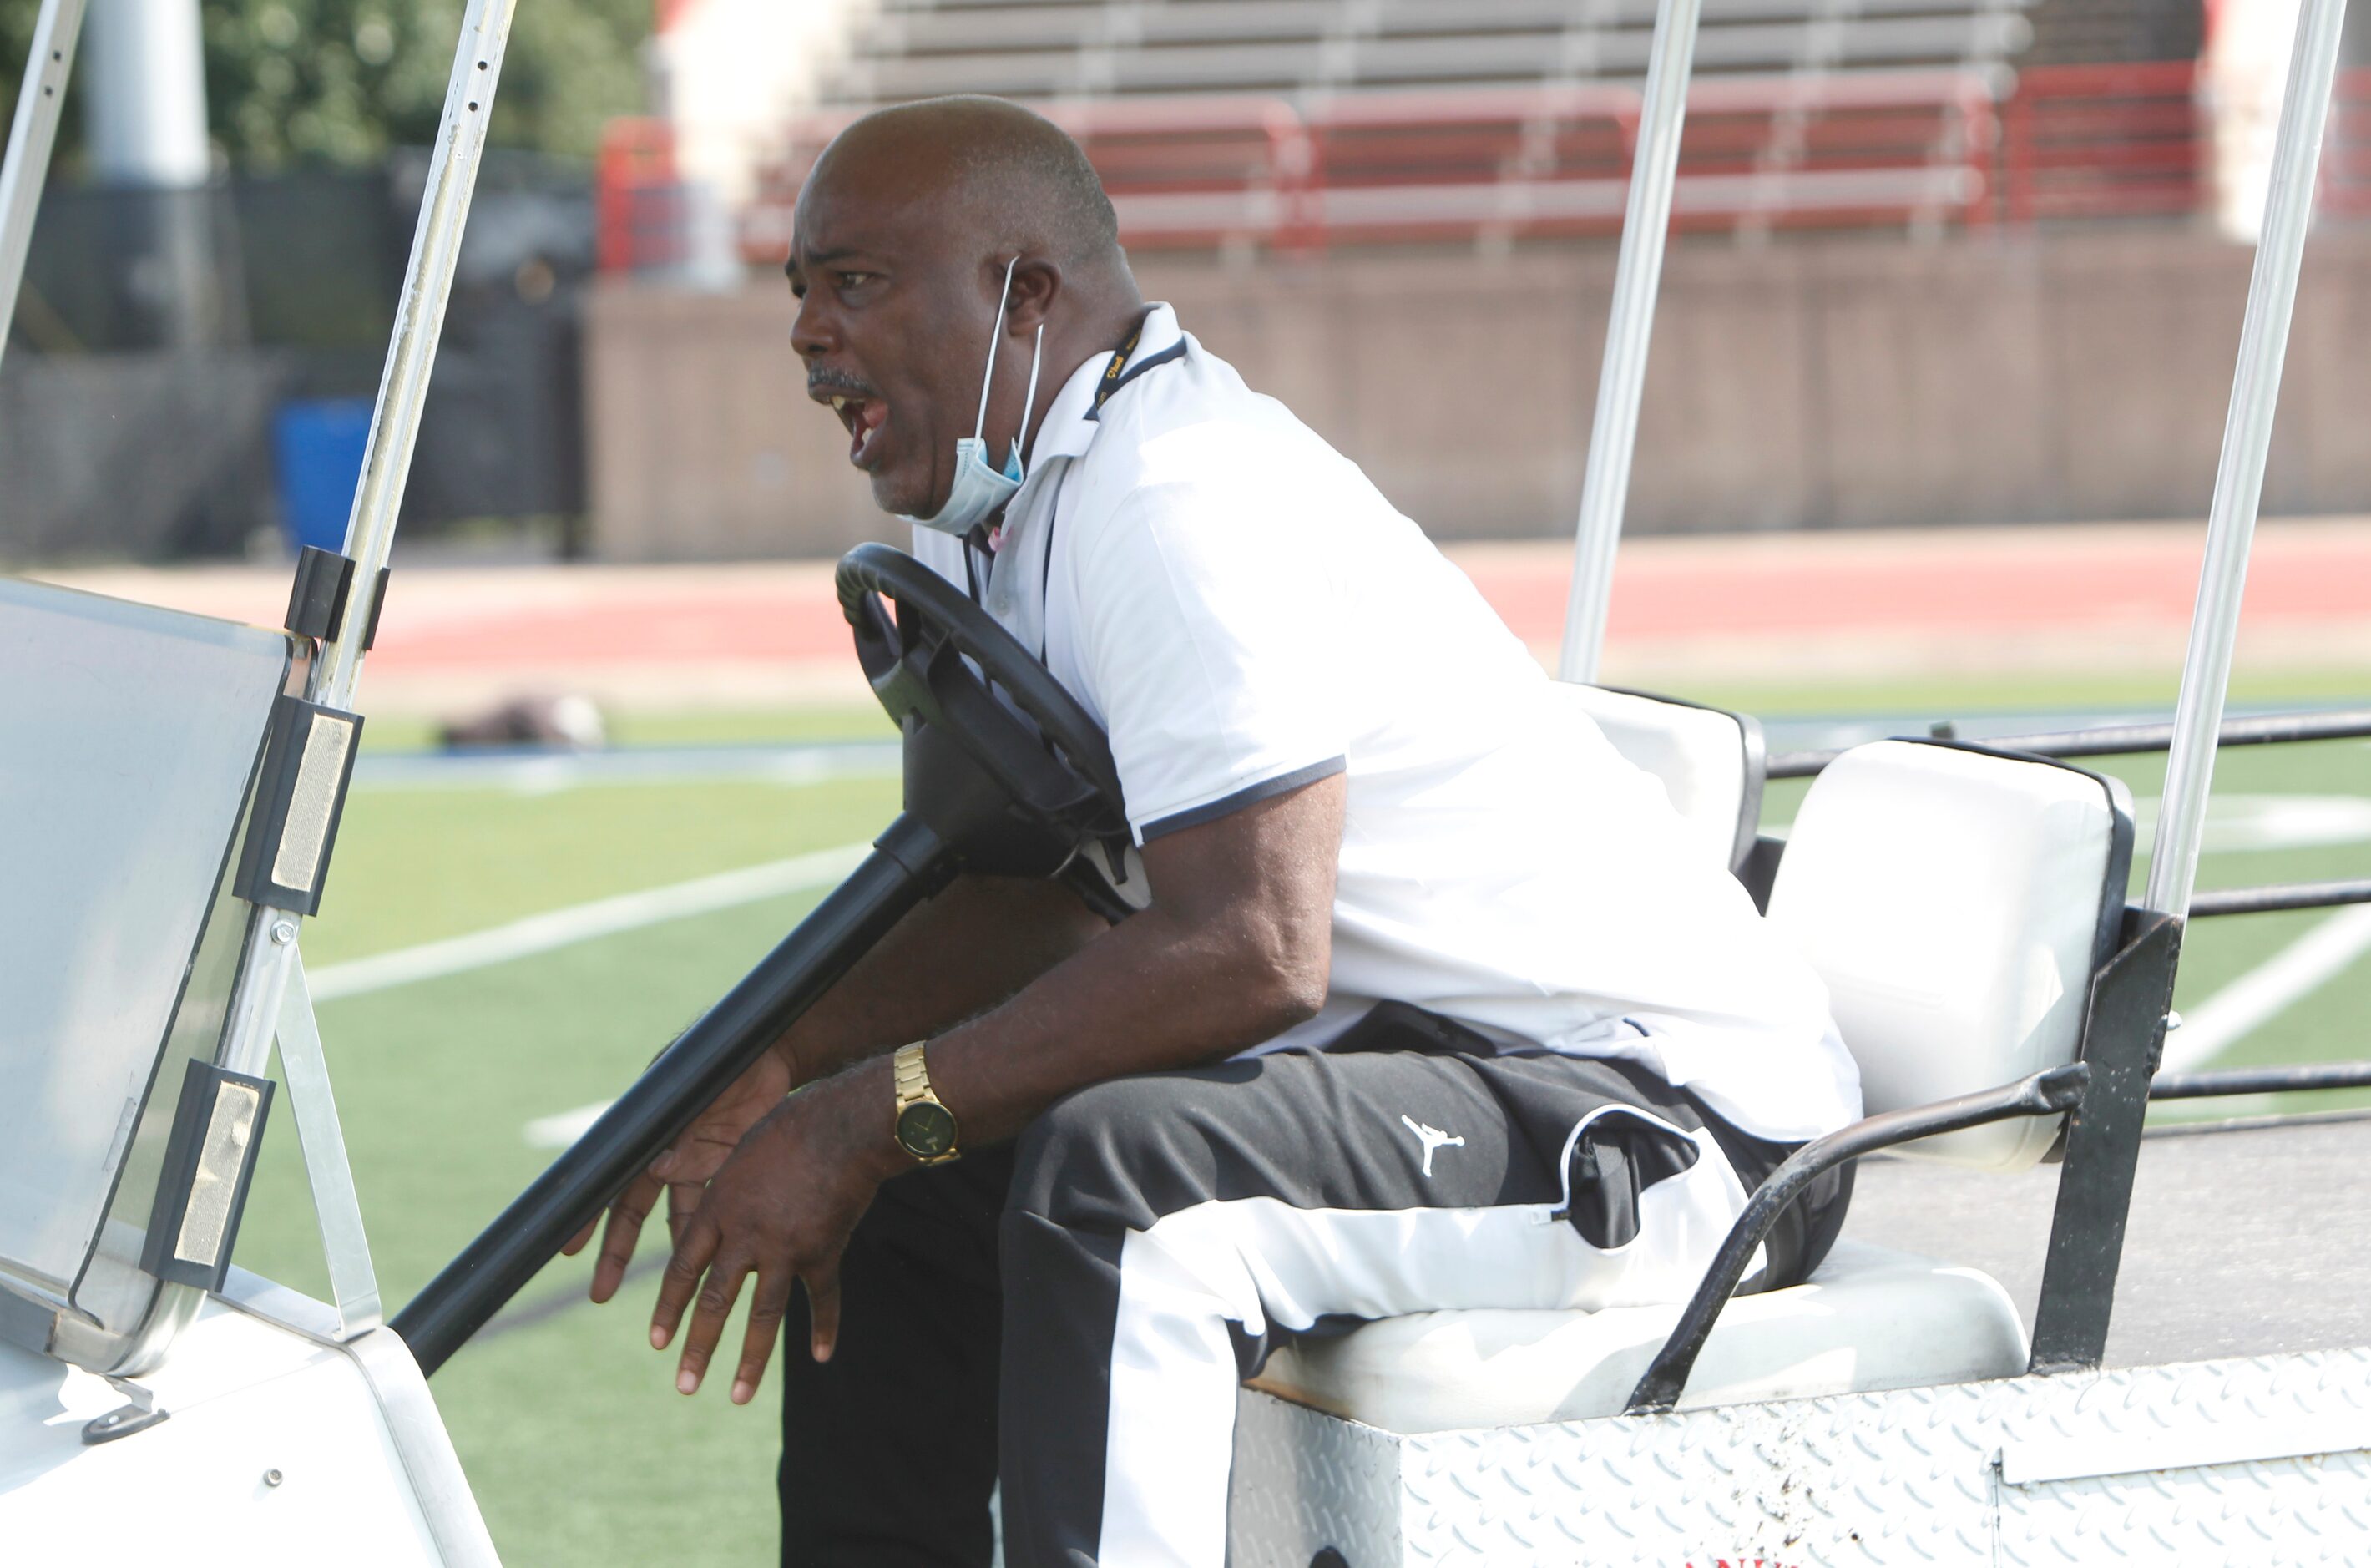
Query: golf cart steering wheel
[1000, 759]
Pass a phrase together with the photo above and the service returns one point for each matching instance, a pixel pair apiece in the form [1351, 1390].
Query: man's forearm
[1235, 950]
[1154, 993]
[965, 950]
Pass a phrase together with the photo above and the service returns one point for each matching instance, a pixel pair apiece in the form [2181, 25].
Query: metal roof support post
[2247, 439]
[41, 96]
[419, 321]
[268, 965]
[403, 388]
[2125, 1033]
[1622, 379]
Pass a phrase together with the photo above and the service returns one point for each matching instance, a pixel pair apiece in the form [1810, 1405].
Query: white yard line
[559, 1131]
[582, 923]
[2240, 1008]
[545, 772]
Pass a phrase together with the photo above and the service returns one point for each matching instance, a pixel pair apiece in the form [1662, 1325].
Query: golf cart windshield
[132, 735]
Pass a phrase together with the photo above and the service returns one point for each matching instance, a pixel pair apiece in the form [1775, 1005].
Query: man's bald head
[1014, 174]
[926, 234]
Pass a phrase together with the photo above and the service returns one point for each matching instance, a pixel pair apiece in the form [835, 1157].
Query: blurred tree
[340, 82]
[16, 38]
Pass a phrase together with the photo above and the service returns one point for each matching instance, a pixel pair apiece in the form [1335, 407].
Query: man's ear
[1036, 284]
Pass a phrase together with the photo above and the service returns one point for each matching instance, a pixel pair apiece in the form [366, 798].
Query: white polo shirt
[1244, 613]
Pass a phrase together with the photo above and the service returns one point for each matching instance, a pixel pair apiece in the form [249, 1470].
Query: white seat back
[1709, 761]
[1957, 902]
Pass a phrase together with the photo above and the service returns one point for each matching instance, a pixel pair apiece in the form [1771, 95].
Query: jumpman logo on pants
[1431, 1138]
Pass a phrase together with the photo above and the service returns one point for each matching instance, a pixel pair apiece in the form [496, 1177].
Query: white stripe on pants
[1259, 1261]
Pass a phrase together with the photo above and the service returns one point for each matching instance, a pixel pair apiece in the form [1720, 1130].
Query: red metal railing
[2088, 142]
[1517, 163]
[638, 200]
[1924, 149]
[2103, 141]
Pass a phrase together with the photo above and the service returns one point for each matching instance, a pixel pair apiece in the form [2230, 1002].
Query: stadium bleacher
[1301, 123]
[1401, 165]
[1034, 49]
[1295, 125]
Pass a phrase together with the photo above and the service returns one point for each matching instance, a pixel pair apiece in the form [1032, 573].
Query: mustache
[824, 379]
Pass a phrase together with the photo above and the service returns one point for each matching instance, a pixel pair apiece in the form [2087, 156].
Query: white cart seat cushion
[1869, 1320]
[1709, 761]
[1956, 903]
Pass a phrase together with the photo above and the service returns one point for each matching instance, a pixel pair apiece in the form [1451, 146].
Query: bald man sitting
[1432, 1007]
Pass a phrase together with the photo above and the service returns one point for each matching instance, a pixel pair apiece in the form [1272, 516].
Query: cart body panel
[273, 1448]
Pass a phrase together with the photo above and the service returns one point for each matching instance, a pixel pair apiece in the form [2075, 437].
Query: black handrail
[690, 1074]
[2119, 740]
[2046, 1093]
[2286, 1078]
[2281, 896]
[983, 792]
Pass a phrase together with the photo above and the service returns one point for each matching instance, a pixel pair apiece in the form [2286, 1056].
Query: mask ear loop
[979, 425]
[1029, 399]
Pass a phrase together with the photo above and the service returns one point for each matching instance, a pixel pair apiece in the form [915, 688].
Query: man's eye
[852, 280]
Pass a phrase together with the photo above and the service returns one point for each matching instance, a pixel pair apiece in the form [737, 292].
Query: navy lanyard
[1113, 380]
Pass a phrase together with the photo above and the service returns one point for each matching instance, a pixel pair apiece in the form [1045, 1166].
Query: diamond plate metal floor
[2241, 1245]
[2259, 1463]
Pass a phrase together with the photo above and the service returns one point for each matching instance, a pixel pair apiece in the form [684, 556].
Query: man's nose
[811, 336]
[811, 331]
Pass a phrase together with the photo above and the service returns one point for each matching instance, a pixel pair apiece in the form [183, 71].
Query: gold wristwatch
[925, 1128]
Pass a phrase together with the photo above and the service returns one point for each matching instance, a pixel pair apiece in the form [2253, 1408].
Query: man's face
[893, 323]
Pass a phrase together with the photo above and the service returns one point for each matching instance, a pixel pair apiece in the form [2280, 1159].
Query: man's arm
[1234, 948]
[977, 942]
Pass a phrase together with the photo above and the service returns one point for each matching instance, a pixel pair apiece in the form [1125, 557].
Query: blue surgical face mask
[978, 489]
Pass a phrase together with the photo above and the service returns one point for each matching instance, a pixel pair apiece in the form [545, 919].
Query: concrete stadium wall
[1829, 383]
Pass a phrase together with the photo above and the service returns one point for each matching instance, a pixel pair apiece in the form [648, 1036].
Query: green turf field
[581, 1452]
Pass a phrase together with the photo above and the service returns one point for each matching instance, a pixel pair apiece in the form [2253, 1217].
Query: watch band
[928, 1134]
[912, 1074]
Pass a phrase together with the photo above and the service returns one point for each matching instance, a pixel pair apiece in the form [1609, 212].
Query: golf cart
[174, 806]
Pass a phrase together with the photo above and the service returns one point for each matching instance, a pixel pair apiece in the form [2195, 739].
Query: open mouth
[866, 418]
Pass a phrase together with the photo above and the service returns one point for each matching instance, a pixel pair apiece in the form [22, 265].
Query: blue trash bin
[316, 449]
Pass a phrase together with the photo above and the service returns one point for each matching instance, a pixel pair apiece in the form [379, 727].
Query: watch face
[926, 1129]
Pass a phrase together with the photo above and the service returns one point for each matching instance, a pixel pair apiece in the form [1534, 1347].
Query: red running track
[1947, 583]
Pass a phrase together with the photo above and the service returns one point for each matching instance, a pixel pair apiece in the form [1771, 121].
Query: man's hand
[781, 1208]
[684, 1170]
[1234, 948]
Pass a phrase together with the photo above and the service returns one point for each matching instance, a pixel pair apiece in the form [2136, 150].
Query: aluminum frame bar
[2239, 473]
[1622, 378]
[31, 137]
[268, 960]
[265, 963]
[353, 1284]
[419, 322]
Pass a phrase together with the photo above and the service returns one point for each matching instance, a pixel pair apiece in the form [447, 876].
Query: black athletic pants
[1073, 1314]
